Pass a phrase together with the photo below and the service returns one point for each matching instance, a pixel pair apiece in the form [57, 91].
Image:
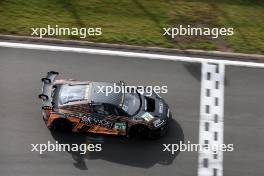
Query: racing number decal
[120, 126]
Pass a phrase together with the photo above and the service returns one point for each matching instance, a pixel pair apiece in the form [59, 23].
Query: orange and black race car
[89, 107]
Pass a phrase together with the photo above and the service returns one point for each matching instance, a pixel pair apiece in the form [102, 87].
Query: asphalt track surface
[21, 123]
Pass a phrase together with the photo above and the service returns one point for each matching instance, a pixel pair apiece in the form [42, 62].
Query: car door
[111, 118]
[120, 119]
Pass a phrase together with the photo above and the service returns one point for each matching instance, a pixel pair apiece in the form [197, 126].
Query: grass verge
[140, 22]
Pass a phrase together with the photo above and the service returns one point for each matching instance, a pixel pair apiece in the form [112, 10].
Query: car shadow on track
[142, 153]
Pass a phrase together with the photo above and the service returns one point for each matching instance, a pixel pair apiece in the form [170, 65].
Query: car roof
[101, 93]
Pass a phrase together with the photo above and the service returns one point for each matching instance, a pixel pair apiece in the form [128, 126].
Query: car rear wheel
[45, 117]
[61, 125]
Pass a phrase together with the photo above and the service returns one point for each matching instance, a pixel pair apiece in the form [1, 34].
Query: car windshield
[132, 103]
[72, 93]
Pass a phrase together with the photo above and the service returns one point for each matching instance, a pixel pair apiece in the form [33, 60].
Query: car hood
[153, 107]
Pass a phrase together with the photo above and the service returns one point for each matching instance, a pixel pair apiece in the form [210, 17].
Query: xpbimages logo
[57, 147]
[65, 31]
[189, 147]
[148, 90]
[197, 31]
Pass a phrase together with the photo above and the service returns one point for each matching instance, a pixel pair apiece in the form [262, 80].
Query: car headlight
[147, 116]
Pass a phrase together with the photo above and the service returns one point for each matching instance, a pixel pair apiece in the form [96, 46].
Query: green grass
[140, 22]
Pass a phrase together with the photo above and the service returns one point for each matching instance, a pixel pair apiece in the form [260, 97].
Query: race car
[84, 106]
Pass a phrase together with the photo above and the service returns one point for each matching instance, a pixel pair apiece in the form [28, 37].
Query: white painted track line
[211, 129]
[126, 54]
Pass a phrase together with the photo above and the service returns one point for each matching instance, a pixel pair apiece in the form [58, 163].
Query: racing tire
[61, 125]
[44, 117]
[157, 134]
[139, 132]
[46, 80]
[53, 72]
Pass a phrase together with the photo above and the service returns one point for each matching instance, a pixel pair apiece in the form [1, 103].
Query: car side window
[105, 109]
[111, 109]
[99, 109]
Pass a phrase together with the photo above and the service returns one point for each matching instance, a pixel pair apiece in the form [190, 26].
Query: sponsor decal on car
[95, 121]
[158, 123]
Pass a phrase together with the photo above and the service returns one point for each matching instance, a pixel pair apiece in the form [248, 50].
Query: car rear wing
[47, 86]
